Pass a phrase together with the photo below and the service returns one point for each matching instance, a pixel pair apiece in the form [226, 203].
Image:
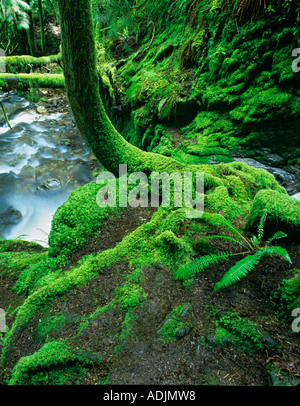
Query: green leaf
[278, 251]
[198, 265]
[276, 236]
[238, 271]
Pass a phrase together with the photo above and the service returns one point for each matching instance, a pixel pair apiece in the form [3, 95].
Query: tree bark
[42, 27]
[82, 85]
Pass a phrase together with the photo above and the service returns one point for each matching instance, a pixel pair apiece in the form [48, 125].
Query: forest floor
[146, 359]
[195, 357]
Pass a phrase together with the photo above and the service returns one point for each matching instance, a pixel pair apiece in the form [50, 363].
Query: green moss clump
[175, 321]
[283, 212]
[23, 81]
[240, 331]
[52, 325]
[126, 330]
[15, 262]
[220, 201]
[19, 63]
[286, 298]
[50, 357]
[77, 219]
[21, 245]
[170, 242]
[130, 295]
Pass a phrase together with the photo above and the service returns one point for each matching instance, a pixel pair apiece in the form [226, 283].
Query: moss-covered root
[52, 356]
[283, 213]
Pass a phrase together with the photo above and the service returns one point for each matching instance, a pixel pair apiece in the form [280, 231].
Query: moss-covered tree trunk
[82, 84]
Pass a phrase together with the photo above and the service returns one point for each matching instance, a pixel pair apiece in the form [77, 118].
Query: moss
[130, 295]
[241, 332]
[283, 212]
[50, 356]
[168, 241]
[176, 320]
[15, 262]
[24, 81]
[72, 225]
[220, 201]
[286, 297]
[126, 330]
[51, 326]
[18, 63]
[34, 275]
[21, 245]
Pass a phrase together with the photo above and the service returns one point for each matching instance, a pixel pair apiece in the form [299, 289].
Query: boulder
[50, 184]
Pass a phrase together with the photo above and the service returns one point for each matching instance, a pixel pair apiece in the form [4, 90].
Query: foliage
[286, 298]
[241, 331]
[253, 255]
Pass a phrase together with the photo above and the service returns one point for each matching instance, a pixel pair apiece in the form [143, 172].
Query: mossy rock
[77, 219]
[283, 213]
[286, 298]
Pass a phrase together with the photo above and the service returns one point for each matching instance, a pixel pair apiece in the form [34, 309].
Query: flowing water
[42, 160]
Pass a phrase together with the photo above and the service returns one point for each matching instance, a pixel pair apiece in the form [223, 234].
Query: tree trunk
[42, 27]
[82, 84]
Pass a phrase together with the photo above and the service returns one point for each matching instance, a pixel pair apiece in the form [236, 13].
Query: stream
[43, 159]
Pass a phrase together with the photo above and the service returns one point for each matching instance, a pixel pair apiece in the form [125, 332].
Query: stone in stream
[29, 172]
[9, 217]
[50, 184]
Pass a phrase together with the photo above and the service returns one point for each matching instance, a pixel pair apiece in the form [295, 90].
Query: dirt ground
[192, 359]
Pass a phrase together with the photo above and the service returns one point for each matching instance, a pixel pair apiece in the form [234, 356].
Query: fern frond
[220, 221]
[238, 271]
[278, 251]
[198, 265]
[276, 236]
[261, 226]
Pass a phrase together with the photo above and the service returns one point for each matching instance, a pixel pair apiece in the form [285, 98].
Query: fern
[238, 271]
[276, 236]
[198, 265]
[278, 251]
[242, 267]
[247, 264]
[261, 226]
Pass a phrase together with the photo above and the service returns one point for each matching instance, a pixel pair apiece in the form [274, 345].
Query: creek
[43, 159]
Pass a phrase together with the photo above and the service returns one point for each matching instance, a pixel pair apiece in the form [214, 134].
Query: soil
[193, 359]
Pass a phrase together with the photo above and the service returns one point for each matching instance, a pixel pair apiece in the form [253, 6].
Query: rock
[50, 184]
[271, 159]
[41, 109]
[283, 213]
[29, 173]
[283, 177]
[9, 217]
[270, 343]
[182, 331]
[212, 341]
[280, 378]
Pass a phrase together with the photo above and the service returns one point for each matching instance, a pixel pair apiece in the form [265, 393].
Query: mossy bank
[79, 319]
